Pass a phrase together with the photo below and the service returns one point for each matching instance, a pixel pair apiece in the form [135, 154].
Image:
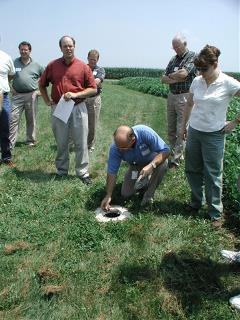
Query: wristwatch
[153, 164]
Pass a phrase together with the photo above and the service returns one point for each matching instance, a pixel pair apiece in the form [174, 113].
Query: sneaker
[91, 149]
[173, 165]
[190, 209]
[30, 144]
[86, 180]
[235, 302]
[9, 163]
[233, 256]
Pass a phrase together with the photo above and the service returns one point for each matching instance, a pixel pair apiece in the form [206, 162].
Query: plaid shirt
[99, 72]
[186, 62]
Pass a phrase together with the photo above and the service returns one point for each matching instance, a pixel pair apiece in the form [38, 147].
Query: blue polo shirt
[148, 145]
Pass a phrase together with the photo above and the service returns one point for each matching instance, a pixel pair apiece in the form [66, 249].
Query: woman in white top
[206, 110]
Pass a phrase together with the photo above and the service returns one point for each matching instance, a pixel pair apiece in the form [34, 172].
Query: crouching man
[146, 153]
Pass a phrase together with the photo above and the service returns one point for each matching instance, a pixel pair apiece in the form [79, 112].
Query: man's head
[179, 44]
[93, 56]
[25, 49]
[67, 46]
[124, 137]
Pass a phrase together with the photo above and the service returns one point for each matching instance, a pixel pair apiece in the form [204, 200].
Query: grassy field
[58, 262]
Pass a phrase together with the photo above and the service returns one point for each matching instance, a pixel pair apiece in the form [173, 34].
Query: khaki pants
[175, 108]
[154, 181]
[23, 102]
[93, 107]
[77, 129]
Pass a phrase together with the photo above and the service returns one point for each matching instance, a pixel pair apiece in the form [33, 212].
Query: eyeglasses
[203, 69]
[177, 47]
[127, 146]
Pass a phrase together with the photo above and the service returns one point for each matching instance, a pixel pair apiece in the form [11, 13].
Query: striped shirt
[183, 62]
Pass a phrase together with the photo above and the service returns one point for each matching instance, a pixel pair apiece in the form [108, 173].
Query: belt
[180, 91]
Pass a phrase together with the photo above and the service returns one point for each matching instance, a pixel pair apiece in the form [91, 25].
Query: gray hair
[180, 37]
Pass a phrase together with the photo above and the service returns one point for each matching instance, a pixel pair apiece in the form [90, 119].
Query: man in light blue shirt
[146, 153]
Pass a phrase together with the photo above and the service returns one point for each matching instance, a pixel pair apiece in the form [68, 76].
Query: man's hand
[69, 95]
[146, 171]
[183, 134]
[105, 204]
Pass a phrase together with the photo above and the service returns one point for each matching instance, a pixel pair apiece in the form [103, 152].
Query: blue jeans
[204, 168]
[4, 129]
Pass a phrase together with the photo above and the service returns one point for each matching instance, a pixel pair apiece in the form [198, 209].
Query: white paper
[63, 109]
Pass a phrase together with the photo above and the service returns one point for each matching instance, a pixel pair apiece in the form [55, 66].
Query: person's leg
[79, 129]
[31, 100]
[194, 167]
[129, 181]
[15, 116]
[61, 132]
[155, 180]
[4, 125]
[171, 121]
[91, 121]
[213, 151]
[97, 107]
[180, 102]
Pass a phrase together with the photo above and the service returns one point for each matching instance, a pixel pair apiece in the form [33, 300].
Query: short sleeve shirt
[6, 69]
[75, 77]
[184, 62]
[211, 102]
[148, 145]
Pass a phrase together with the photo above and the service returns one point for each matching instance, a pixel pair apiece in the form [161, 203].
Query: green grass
[162, 264]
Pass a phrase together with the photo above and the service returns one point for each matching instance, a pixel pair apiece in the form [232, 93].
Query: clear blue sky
[130, 33]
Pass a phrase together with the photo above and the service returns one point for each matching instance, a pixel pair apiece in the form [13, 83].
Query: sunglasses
[203, 69]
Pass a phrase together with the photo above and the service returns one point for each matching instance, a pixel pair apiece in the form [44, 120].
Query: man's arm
[179, 75]
[167, 80]
[83, 94]
[157, 160]
[110, 184]
[45, 95]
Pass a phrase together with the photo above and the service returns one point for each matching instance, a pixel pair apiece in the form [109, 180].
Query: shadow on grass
[232, 224]
[39, 175]
[191, 281]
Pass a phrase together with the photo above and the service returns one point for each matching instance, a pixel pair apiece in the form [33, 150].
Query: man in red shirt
[71, 79]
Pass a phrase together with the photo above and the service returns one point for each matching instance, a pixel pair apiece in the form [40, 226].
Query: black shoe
[190, 209]
[86, 180]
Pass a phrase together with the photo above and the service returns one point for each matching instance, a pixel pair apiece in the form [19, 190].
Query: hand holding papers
[63, 109]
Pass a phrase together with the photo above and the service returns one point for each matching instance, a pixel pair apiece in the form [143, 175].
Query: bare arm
[45, 95]
[167, 80]
[176, 76]
[186, 115]
[83, 94]
[158, 159]
[98, 81]
[232, 124]
[110, 184]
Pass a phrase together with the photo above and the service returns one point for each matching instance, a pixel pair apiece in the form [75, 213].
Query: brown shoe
[9, 163]
[217, 223]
